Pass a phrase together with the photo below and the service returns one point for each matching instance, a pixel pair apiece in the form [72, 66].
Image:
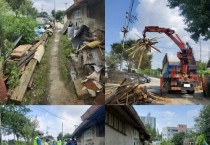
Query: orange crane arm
[168, 32]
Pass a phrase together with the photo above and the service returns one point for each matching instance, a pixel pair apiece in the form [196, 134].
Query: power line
[46, 111]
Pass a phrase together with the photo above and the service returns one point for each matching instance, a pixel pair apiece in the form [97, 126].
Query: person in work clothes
[37, 140]
[46, 141]
[59, 142]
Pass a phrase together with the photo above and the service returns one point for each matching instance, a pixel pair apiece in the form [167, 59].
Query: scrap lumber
[20, 90]
[131, 94]
[81, 92]
[20, 50]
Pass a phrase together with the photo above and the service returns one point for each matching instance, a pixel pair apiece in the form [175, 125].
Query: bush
[16, 26]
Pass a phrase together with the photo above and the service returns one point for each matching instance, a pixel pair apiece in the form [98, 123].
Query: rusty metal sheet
[91, 84]
[100, 99]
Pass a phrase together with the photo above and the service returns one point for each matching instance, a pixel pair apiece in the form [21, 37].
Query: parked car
[118, 76]
[148, 79]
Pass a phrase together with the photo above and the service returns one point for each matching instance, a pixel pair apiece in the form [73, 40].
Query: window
[115, 122]
[100, 130]
[111, 119]
[77, 14]
[91, 12]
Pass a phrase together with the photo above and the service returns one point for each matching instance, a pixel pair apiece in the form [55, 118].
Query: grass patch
[38, 95]
[64, 52]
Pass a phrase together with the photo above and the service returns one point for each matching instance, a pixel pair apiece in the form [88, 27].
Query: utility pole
[62, 132]
[1, 143]
[125, 29]
[47, 130]
[42, 7]
[55, 13]
[200, 50]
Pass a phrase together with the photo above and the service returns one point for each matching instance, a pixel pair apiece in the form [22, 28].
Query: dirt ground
[178, 99]
[58, 92]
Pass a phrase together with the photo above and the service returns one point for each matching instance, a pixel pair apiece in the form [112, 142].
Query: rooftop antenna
[125, 29]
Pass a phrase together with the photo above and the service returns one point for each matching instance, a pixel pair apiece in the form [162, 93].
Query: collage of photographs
[104, 72]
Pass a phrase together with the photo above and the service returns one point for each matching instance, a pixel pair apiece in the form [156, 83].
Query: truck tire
[207, 89]
[190, 92]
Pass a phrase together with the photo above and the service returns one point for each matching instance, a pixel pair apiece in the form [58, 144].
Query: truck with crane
[177, 76]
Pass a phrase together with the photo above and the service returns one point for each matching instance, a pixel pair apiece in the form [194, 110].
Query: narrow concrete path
[58, 93]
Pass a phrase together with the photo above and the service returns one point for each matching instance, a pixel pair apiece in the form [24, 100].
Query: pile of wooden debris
[129, 94]
[142, 45]
[23, 61]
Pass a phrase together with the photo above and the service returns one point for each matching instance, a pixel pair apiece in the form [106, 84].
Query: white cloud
[48, 5]
[69, 116]
[169, 113]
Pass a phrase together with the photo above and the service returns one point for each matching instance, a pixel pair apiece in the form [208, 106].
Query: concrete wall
[89, 138]
[114, 137]
[168, 132]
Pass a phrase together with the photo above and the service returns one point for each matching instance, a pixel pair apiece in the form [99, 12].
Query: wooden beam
[20, 90]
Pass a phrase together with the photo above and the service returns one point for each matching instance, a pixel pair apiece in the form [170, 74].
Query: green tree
[20, 25]
[27, 9]
[112, 61]
[4, 12]
[28, 130]
[178, 138]
[59, 15]
[53, 13]
[67, 135]
[202, 122]
[151, 131]
[197, 16]
[60, 135]
[13, 119]
[15, 4]
[201, 140]
[166, 142]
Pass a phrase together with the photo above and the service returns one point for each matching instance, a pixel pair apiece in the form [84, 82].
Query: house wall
[114, 137]
[168, 132]
[92, 16]
[182, 128]
[89, 138]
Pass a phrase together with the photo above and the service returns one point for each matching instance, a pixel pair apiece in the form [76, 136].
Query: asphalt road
[178, 99]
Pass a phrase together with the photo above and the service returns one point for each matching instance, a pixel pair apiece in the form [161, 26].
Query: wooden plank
[36, 45]
[20, 90]
[81, 94]
[22, 48]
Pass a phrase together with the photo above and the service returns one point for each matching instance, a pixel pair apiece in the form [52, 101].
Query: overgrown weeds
[38, 93]
[64, 52]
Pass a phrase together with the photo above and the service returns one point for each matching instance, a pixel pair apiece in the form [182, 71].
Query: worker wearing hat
[37, 140]
[46, 141]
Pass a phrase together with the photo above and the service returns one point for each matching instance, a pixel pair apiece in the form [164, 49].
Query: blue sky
[170, 116]
[150, 13]
[69, 115]
[115, 19]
